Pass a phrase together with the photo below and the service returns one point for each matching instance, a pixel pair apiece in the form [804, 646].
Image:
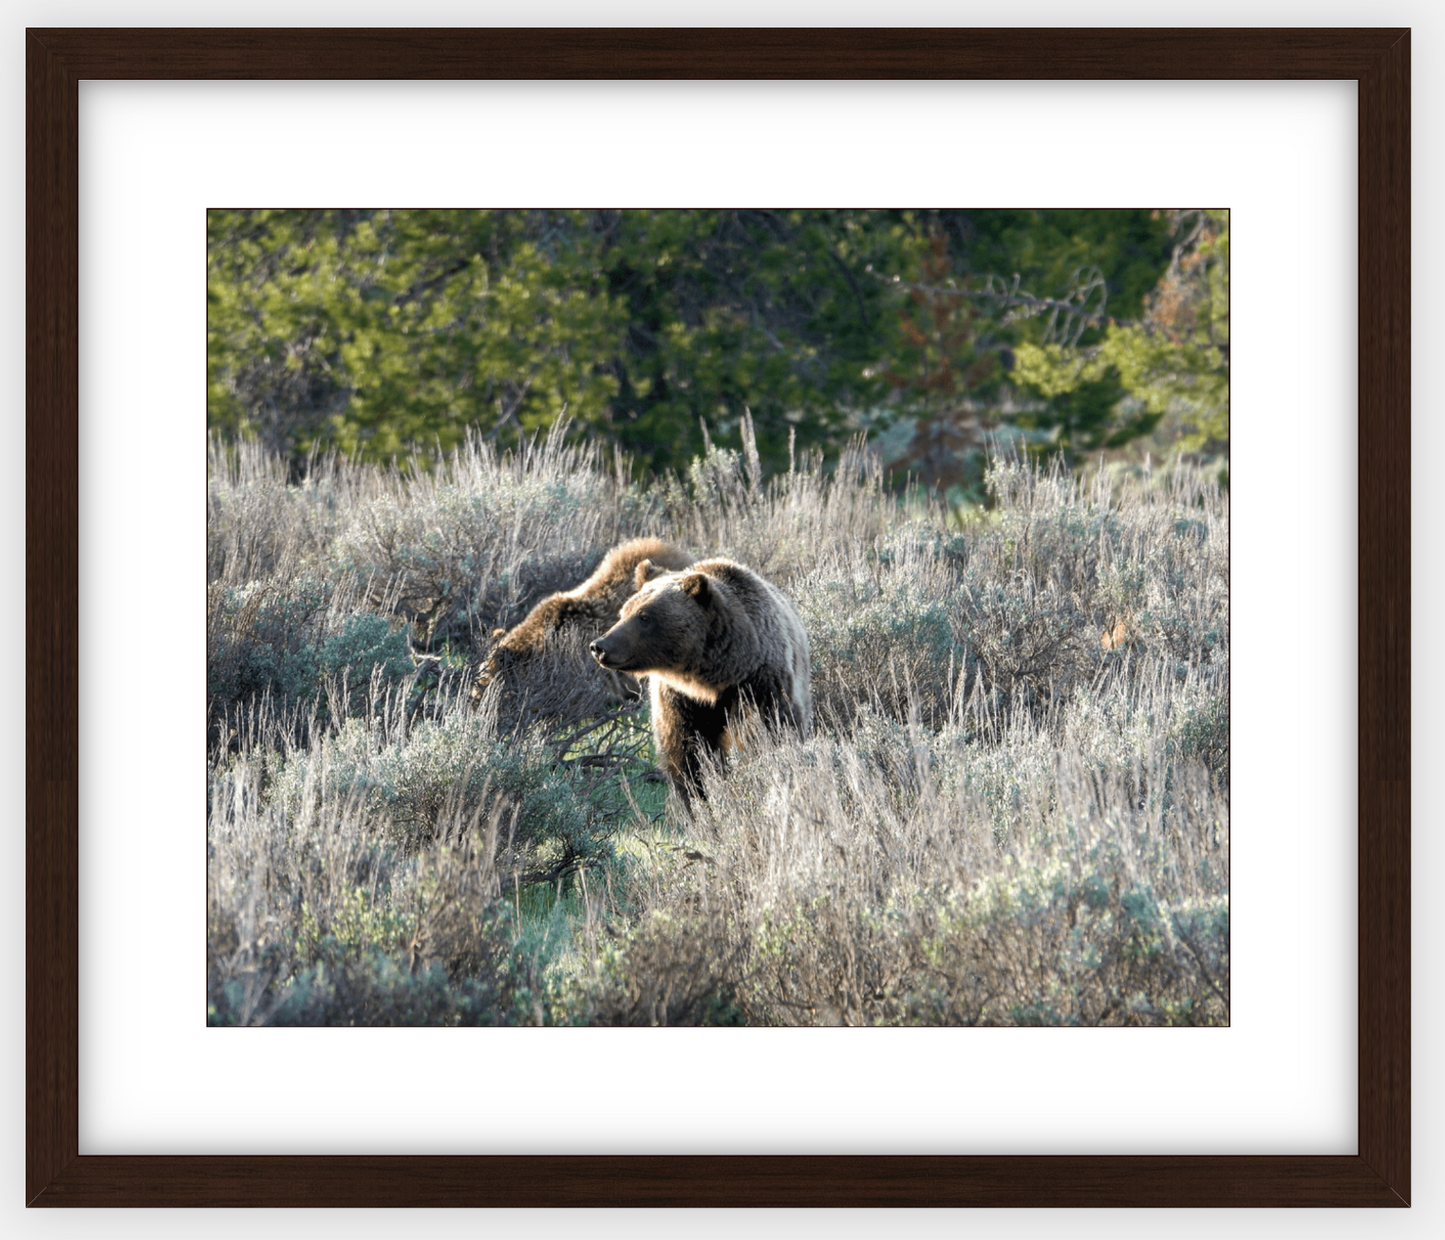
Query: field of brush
[1013, 809]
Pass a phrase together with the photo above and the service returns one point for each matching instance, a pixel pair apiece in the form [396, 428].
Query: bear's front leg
[684, 729]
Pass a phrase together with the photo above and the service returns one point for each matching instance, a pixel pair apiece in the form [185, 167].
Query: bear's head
[663, 627]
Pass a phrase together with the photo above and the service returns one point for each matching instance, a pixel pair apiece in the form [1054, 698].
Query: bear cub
[724, 650]
[591, 608]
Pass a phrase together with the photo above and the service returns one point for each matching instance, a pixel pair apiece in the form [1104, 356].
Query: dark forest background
[391, 335]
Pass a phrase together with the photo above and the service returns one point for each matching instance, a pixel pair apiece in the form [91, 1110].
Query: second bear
[723, 649]
[590, 608]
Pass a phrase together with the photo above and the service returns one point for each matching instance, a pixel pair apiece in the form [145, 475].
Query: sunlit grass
[1013, 808]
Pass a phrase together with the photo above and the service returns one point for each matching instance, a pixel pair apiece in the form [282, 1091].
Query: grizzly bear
[587, 609]
[724, 650]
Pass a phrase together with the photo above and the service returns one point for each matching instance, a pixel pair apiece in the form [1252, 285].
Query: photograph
[744, 617]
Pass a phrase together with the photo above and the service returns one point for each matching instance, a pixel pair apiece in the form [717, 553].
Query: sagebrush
[1013, 809]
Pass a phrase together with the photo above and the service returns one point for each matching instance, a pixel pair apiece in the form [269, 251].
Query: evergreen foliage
[1171, 360]
[390, 335]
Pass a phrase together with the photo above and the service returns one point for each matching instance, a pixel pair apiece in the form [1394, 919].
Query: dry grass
[1014, 808]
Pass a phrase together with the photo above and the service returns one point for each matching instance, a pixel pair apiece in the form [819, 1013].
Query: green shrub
[289, 646]
[453, 766]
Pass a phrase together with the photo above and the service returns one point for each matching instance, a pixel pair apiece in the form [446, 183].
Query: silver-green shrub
[1014, 808]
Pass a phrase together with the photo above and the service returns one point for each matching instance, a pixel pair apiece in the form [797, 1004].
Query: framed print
[63, 307]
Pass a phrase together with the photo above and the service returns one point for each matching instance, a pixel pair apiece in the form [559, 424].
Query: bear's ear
[698, 586]
[496, 633]
[646, 571]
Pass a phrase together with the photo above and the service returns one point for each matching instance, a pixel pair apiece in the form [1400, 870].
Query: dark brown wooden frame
[56, 60]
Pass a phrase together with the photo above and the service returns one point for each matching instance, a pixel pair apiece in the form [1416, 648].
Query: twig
[1009, 294]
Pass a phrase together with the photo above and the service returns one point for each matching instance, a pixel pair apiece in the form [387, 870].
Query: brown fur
[592, 606]
[724, 650]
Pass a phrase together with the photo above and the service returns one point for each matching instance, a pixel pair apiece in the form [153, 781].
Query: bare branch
[1069, 317]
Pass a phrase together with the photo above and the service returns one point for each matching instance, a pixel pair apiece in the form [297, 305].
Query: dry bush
[316, 914]
[456, 548]
[474, 542]
[782, 526]
[665, 968]
[903, 878]
[1013, 809]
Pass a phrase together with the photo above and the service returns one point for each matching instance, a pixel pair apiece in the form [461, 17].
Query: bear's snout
[615, 648]
[600, 650]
